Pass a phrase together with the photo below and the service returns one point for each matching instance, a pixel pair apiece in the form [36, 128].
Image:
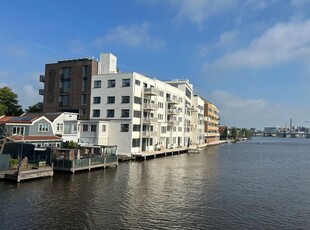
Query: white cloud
[133, 36]
[282, 43]
[256, 113]
[299, 3]
[197, 11]
[28, 95]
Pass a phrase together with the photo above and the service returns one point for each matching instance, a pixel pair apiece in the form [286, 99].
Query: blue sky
[251, 58]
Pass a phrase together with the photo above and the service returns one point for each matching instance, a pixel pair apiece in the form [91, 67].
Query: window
[137, 100]
[64, 100]
[60, 127]
[83, 100]
[85, 75]
[93, 128]
[97, 84]
[96, 112]
[125, 99]
[43, 128]
[125, 82]
[111, 83]
[136, 128]
[163, 129]
[135, 142]
[136, 113]
[97, 100]
[85, 128]
[111, 100]
[104, 128]
[110, 112]
[124, 127]
[137, 82]
[18, 130]
[125, 113]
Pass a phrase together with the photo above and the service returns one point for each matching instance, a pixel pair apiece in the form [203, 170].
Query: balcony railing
[149, 133]
[173, 100]
[206, 119]
[150, 106]
[41, 92]
[173, 111]
[173, 122]
[151, 91]
[42, 78]
[150, 120]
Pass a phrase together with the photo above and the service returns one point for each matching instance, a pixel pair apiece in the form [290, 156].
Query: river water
[263, 183]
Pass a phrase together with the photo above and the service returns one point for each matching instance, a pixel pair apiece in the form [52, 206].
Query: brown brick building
[67, 86]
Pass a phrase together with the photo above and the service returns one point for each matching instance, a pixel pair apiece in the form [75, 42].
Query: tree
[234, 133]
[9, 103]
[37, 108]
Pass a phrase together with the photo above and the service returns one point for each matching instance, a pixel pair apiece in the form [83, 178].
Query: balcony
[150, 106]
[41, 92]
[174, 101]
[173, 123]
[173, 112]
[192, 109]
[150, 120]
[151, 91]
[206, 119]
[42, 78]
[149, 133]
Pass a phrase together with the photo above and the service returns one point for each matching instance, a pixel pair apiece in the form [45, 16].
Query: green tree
[234, 133]
[224, 134]
[37, 108]
[9, 103]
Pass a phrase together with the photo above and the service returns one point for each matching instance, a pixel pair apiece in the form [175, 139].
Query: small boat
[194, 150]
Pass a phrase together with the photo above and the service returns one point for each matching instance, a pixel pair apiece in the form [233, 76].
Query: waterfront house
[131, 110]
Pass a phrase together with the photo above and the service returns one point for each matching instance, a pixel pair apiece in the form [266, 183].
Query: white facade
[107, 63]
[65, 125]
[142, 113]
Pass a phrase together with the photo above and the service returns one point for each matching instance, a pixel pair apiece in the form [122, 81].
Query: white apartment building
[138, 113]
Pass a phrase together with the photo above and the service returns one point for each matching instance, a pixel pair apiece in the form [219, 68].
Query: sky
[250, 58]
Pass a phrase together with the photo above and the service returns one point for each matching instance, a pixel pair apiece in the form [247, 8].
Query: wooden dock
[28, 174]
[164, 152]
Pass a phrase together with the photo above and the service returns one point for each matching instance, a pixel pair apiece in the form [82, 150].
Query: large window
[17, 130]
[60, 127]
[137, 100]
[136, 128]
[111, 83]
[136, 113]
[97, 84]
[85, 76]
[83, 100]
[93, 128]
[96, 112]
[125, 99]
[85, 128]
[64, 100]
[125, 82]
[135, 142]
[124, 127]
[43, 128]
[137, 82]
[110, 112]
[111, 100]
[97, 100]
[125, 113]
[65, 80]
